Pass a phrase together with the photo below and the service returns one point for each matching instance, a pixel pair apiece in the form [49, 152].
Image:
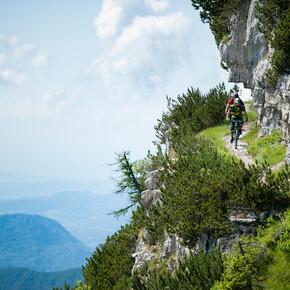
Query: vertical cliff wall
[248, 56]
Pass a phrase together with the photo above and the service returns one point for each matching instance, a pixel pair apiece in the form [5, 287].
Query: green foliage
[81, 286]
[131, 181]
[112, 262]
[215, 135]
[274, 23]
[218, 14]
[252, 115]
[193, 110]
[252, 135]
[78, 286]
[202, 186]
[199, 271]
[268, 148]
[260, 261]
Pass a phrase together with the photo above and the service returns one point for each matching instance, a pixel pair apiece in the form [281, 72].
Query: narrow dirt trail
[241, 151]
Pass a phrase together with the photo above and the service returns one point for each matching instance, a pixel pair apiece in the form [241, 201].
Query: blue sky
[81, 80]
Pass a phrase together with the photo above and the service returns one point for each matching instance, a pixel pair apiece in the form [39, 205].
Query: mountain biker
[231, 101]
[236, 112]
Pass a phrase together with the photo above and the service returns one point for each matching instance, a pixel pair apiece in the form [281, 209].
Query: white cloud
[40, 59]
[108, 19]
[11, 76]
[117, 14]
[13, 40]
[144, 48]
[19, 60]
[24, 50]
[158, 6]
[8, 40]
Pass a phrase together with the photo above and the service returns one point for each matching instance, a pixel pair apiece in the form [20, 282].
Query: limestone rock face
[152, 195]
[248, 56]
[171, 249]
[142, 255]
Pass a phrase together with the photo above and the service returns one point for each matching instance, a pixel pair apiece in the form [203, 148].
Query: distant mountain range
[38, 243]
[27, 187]
[26, 279]
[83, 213]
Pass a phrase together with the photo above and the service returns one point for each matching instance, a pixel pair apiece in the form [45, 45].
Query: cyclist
[231, 101]
[236, 111]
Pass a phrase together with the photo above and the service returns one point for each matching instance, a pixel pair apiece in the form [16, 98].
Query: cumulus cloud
[107, 21]
[115, 15]
[158, 6]
[140, 45]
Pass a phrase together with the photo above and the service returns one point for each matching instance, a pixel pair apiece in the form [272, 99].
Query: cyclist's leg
[240, 126]
[232, 131]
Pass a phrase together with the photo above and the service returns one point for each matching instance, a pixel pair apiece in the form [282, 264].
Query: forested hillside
[38, 243]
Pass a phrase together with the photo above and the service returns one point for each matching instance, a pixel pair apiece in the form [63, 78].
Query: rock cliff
[248, 55]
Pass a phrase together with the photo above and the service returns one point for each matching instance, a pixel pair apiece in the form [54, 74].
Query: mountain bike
[236, 133]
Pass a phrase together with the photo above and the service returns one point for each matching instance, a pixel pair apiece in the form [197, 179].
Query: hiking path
[241, 151]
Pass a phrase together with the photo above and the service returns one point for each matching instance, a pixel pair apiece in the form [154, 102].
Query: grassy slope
[216, 134]
[268, 148]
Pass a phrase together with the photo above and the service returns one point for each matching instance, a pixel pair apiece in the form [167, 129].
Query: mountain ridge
[82, 213]
[38, 243]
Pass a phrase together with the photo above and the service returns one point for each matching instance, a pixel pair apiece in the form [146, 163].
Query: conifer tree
[131, 180]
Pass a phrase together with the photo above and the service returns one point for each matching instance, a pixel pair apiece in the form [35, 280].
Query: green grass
[251, 112]
[267, 148]
[279, 171]
[263, 149]
[252, 135]
[216, 134]
[251, 116]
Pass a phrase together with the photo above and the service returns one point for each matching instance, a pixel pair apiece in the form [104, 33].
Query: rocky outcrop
[170, 249]
[248, 56]
[151, 196]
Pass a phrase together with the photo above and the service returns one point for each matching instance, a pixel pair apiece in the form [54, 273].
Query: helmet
[237, 101]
